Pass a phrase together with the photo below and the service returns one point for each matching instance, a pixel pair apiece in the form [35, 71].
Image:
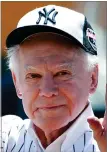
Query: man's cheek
[28, 101]
[70, 96]
[69, 90]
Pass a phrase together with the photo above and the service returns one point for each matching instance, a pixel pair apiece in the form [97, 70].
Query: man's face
[53, 80]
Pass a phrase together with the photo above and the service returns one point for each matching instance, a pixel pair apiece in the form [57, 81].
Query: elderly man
[52, 58]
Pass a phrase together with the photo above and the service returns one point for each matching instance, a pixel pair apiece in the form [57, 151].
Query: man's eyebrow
[58, 66]
[29, 67]
[64, 65]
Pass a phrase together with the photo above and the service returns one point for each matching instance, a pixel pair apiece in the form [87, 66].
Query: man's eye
[62, 73]
[33, 76]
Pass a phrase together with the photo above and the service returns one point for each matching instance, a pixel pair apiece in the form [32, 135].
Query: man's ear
[16, 84]
[94, 79]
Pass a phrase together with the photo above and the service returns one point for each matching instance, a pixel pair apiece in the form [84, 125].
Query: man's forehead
[40, 45]
[48, 50]
[56, 60]
[56, 54]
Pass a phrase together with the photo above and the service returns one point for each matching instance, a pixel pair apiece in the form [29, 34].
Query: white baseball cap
[56, 19]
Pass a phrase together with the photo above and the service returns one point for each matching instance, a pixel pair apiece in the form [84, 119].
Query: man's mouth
[55, 107]
[52, 111]
[52, 107]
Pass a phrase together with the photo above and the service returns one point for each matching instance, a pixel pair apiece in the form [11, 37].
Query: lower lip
[52, 108]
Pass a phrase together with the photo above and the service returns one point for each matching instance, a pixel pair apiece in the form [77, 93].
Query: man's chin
[51, 124]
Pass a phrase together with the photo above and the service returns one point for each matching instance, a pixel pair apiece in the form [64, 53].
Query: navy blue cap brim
[21, 33]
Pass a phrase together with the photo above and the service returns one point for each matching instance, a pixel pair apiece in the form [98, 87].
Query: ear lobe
[19, 94]
[94, 80]
[16, 84]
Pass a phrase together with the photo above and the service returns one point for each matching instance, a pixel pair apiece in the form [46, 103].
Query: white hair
[12, 56]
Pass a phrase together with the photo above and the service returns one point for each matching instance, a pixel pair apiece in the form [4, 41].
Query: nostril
[48, 94]
[56, 93]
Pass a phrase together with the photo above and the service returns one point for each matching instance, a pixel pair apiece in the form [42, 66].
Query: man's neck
[47, 139]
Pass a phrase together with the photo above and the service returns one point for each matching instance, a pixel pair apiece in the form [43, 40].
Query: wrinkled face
[52, 80]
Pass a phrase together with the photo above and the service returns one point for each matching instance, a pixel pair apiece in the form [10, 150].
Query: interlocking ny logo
[46, 14]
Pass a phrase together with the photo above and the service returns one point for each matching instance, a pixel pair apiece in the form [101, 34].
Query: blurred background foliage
[11, 12]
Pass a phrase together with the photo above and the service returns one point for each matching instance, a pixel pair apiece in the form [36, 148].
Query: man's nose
[48, 87]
